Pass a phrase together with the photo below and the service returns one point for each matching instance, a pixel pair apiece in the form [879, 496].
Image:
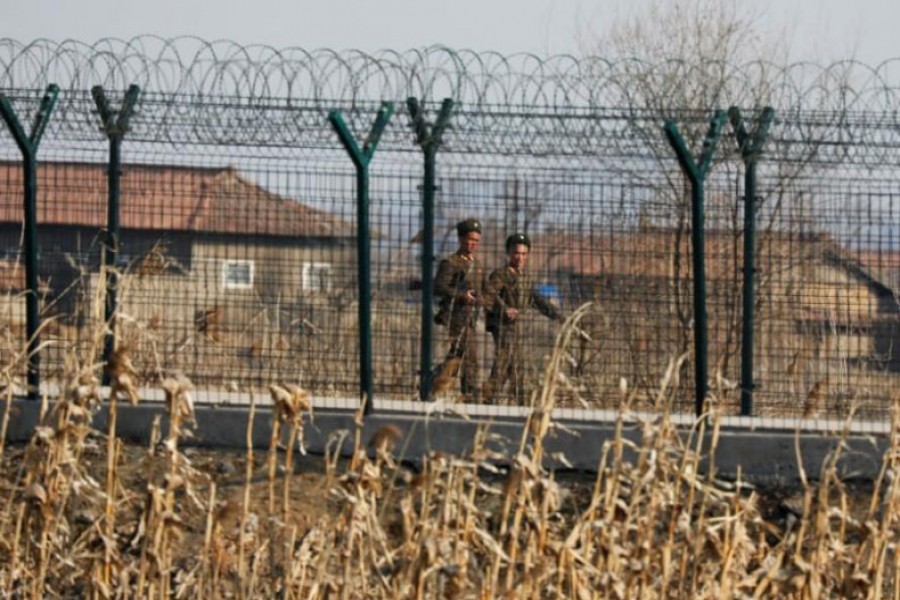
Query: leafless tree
[682, 60]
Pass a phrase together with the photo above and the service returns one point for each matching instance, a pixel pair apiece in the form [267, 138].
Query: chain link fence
[235, 255]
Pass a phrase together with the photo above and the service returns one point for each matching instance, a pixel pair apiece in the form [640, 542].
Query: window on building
[316, 277]
[237, 274]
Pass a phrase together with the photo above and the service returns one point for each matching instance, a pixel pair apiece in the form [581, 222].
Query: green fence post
[361, 159]
[750, 146]
[696, 174]
[114, 124]
[428, 137]
[28, 146]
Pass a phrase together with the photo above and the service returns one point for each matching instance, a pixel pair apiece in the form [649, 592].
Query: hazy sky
[817, 29]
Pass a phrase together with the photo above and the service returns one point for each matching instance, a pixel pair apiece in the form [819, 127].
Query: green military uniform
[456, 275]
[508, 288]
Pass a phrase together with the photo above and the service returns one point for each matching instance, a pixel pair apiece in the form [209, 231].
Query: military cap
[468, 226]
[516, 239]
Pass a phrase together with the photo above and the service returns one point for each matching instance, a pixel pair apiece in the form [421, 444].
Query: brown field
[86, 516]
[314, 341]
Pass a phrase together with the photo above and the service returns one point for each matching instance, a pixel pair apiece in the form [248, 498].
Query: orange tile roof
[170, 198]
[652, 253]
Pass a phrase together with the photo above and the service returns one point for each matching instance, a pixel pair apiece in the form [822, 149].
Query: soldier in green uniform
[509, 291]
[459, 285]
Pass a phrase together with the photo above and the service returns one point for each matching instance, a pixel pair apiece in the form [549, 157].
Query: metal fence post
[114, 124]
[428, 137]
[750, 146]
[28, 146]
[361, 159]
[696, 174]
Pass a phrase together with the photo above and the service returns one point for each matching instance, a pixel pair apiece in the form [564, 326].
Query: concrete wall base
[759, 455]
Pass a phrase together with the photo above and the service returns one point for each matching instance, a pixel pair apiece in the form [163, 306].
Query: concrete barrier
[759, 455]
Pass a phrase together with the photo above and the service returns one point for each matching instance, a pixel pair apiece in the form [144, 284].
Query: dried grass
[654, 523]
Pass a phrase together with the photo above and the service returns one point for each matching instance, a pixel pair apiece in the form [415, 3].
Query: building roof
[658, 252]
[168, 198]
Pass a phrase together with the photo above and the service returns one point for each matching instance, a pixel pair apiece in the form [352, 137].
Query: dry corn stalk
[654, 522]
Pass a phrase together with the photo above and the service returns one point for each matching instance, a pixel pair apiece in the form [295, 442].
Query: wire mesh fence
[237, 261]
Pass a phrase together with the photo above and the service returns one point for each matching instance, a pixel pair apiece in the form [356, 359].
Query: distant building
[220, 277]
[210, 233]
[844, 304]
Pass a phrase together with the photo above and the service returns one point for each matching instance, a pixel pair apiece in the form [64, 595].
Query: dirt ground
[310, 488]
[309, 485]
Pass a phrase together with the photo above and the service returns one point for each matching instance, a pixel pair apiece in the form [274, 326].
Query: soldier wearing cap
[458, 285]
[510, 290]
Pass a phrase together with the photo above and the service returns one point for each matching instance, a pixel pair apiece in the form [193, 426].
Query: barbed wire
[197, 68]
[200, 92]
